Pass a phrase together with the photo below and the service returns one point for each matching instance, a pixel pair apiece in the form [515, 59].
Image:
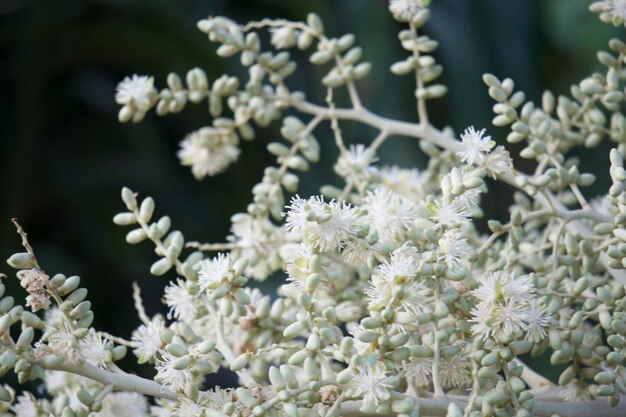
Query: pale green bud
[293, 330]
[129, 199]
[239, 363]
[22, 260]
[125, 219]
[136, 236]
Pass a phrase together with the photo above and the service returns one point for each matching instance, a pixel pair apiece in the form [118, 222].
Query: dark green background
[64, 157]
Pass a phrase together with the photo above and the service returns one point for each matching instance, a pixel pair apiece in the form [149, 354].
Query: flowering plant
[394, 301]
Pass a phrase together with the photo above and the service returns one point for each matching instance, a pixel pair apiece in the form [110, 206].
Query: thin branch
[141, 311]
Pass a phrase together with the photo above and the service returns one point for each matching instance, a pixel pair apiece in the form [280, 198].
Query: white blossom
[26, 406]
[188, 408]
[408, 183]
[214, 271]
[176, 379]
[258, 240]
[93, 349]
[389, 214]
[371, 384]
[538, 321]
[454, 249]
[147, 339]
[418, 371]
[124, 404]
[449, 213]
[181, 303]
[137, 91]
[455, 371]
[498, 162]
[63, 342]
[209, 151]
[507, 307]
[354, 164]
[284, 37]
[475, 146]
[327, 226]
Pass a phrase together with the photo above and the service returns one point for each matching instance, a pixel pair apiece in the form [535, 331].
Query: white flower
[209, 151]
[408, 183]
[188, 408]
[354, 165]
[574, 391]
[389, 214]
[215, 271]
[502, 286]
[327, 226]
[454, 249]
[506, 307]
[455, 371]
[284, 37]
[402, 265]
[405, 10]
[220, 397]
[54, 318]
[26, 406]
[93, 349]
[400, 271]
[176, 379]
[603, 206]
[137, 92]
[417, 371]
[258, 240]
[498, 162]
[181, 302]
[63, 342]
[358, 252]
[449, 214]
[147, 339]
[124, 404]
[371, 383]
[538, 320]
[475, 146]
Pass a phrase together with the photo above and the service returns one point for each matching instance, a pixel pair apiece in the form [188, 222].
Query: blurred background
[64, 157]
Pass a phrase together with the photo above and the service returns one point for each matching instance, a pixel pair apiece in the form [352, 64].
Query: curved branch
[118, 381]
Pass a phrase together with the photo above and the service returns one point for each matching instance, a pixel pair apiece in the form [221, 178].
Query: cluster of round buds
[617, 203]
[303, 148]
[348, 68]
[423, 66]
[414, 11]
[610, 11]
[169, 244]
[174, 98]
[10, 314]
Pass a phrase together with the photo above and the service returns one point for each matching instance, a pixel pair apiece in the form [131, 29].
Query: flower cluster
[397, 296]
